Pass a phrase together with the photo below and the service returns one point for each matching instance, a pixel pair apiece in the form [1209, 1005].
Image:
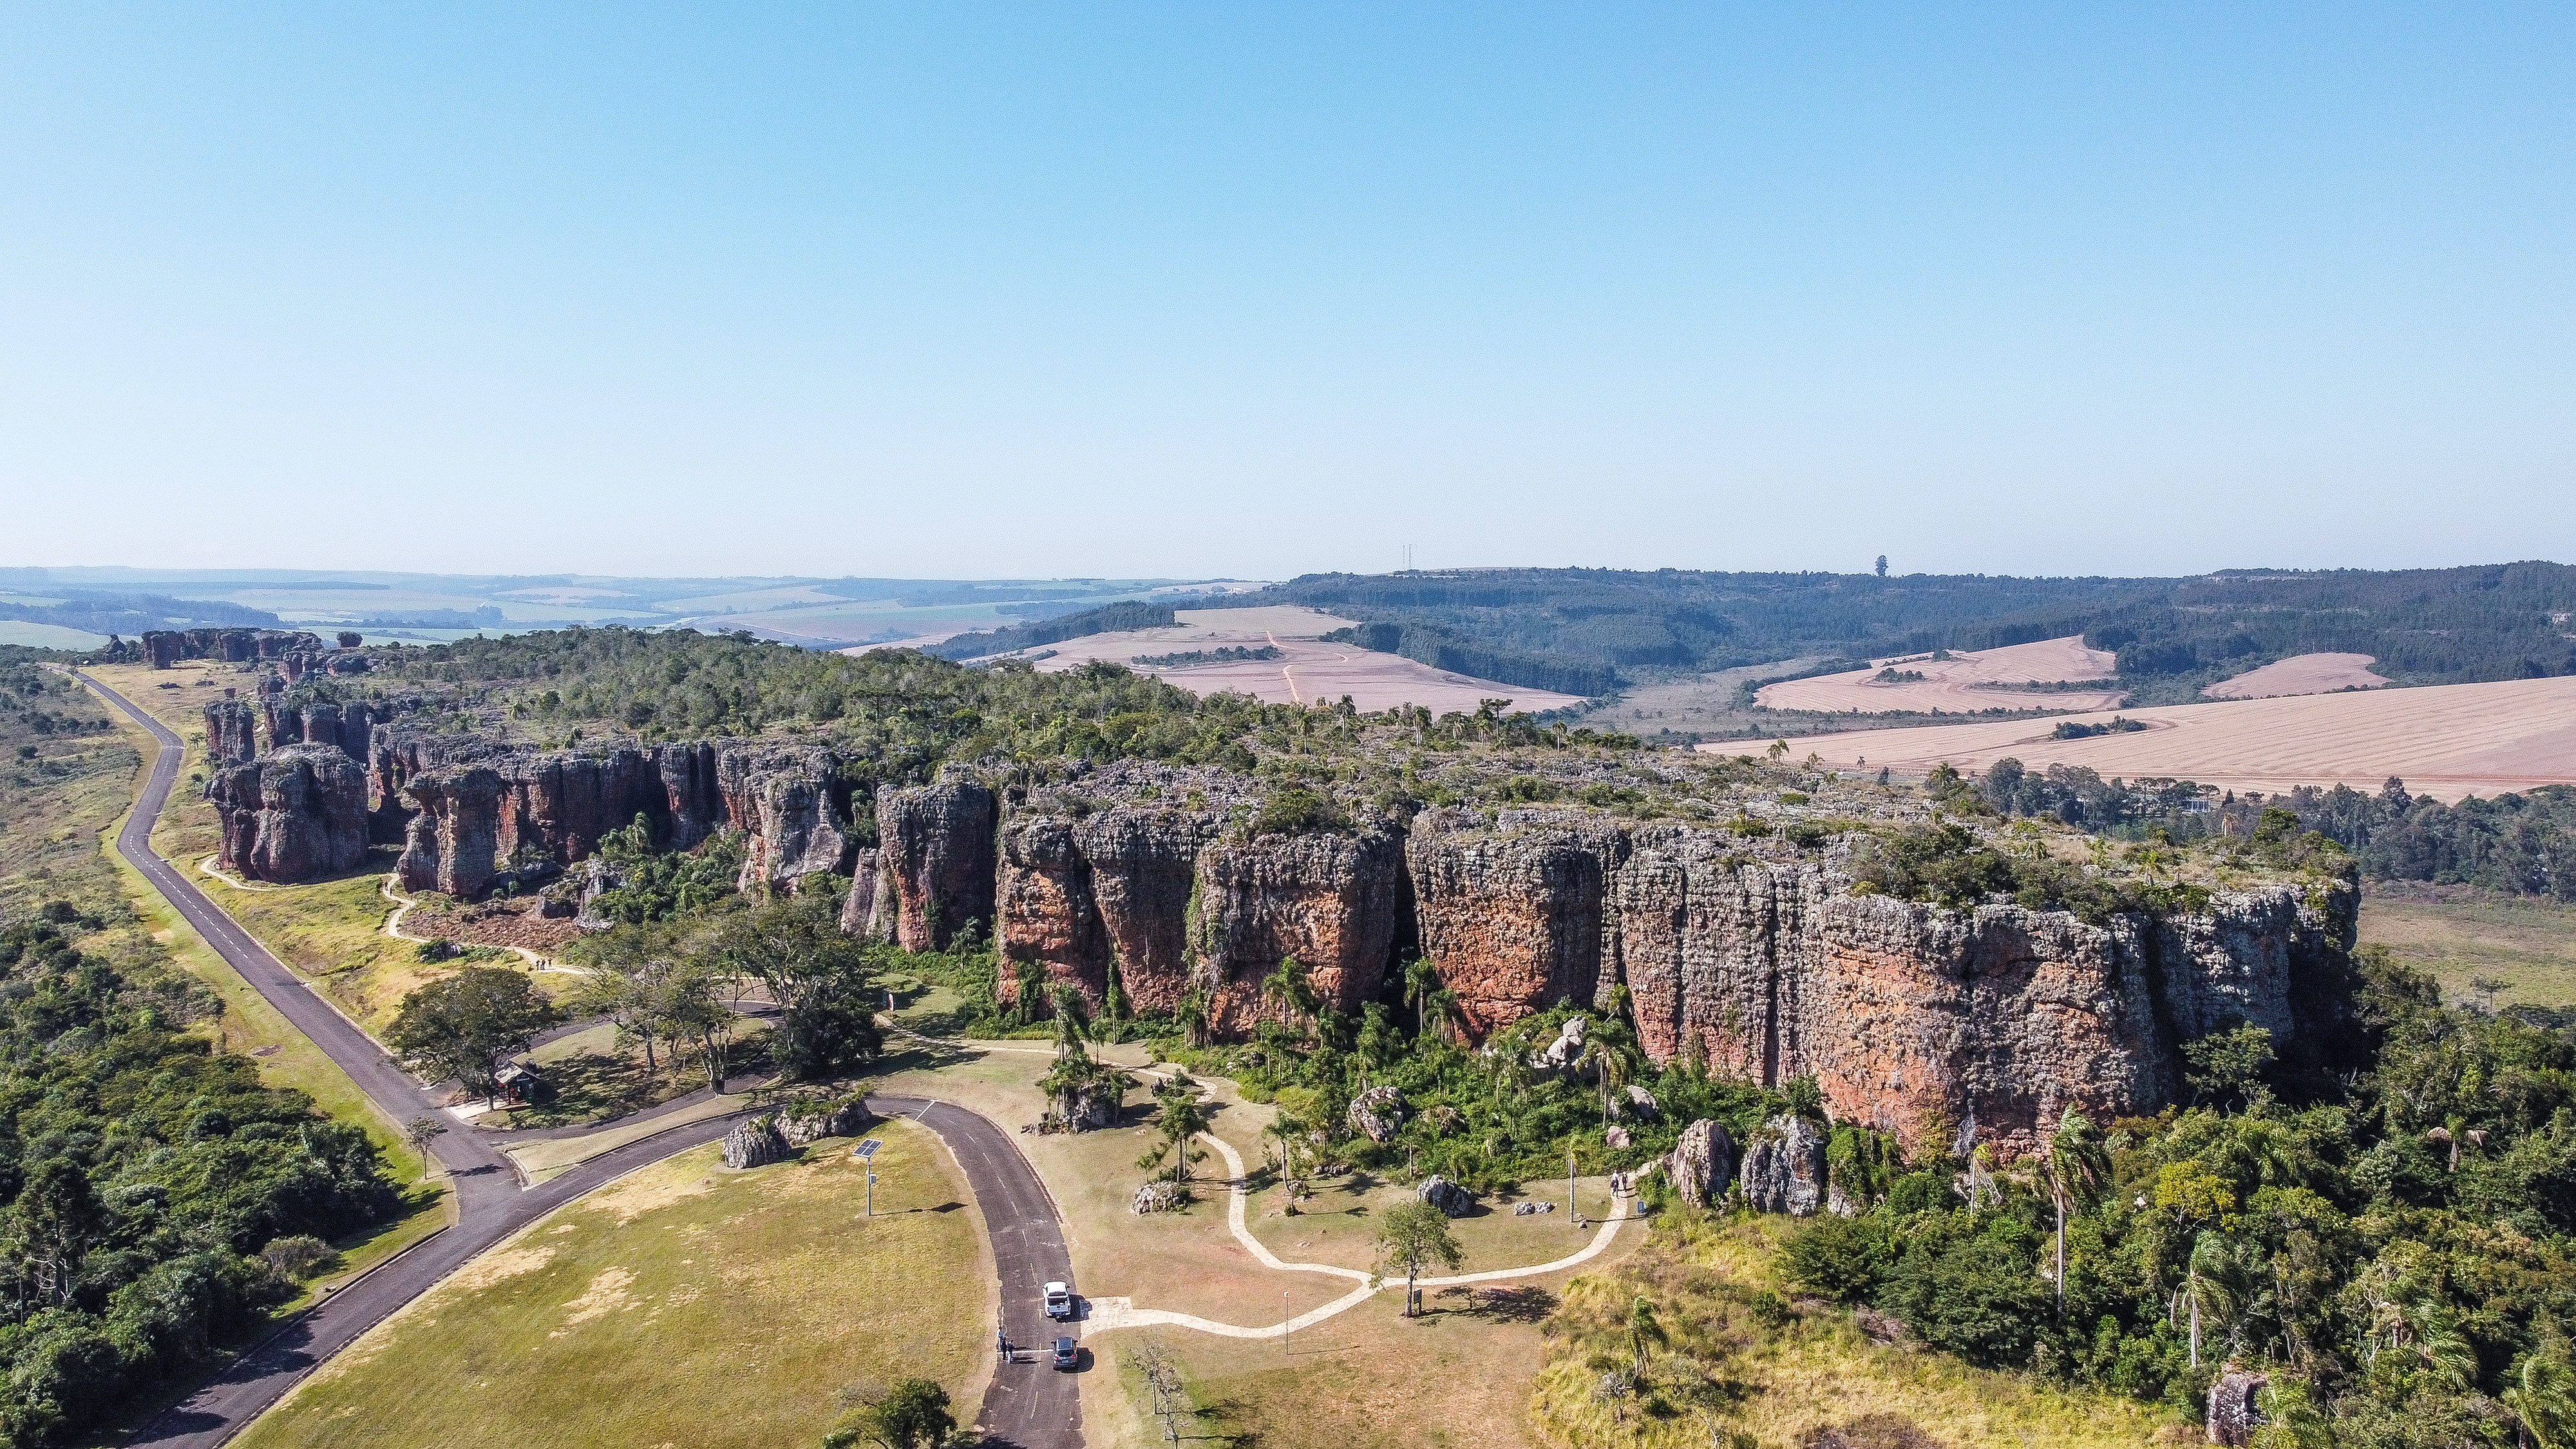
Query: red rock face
[167, 647]
[1045, 906]
[936, 860]
[1331, 901]
[293, 815]
[472, 809]
[1510, 918]
[229, 732]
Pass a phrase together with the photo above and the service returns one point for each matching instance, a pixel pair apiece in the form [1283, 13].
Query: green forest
[159, 1199]
[1587, 631]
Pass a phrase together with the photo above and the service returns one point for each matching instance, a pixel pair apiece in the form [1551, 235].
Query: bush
[1297, 810]
[1841, 1258]
[298, 1255]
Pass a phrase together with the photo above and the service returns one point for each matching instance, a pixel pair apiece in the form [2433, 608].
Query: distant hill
[1586, 630]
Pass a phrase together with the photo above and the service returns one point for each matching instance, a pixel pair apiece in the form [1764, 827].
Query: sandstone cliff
[935, 861]
[294, 814]
[229, 732]
[168, 647]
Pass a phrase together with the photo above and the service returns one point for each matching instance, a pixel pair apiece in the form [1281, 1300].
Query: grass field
[2467, 938]
[2445, 741]
[47, 636]
[683, 1305]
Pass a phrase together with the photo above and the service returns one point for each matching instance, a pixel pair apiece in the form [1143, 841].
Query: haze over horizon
[1133, 292]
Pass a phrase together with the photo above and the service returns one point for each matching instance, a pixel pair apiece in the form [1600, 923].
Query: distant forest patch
[1230, 654]
[1589, 631]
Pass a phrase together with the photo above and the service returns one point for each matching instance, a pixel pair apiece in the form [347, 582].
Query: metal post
[1569, 1187]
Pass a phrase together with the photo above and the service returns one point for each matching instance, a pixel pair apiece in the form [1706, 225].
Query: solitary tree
[465, 1026]
[820, 979]
[419, 1132]
[915, 1415]
[1180, 1117]
[1412, 1238]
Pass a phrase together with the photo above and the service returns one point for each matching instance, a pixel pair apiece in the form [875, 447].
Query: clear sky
[958, 290]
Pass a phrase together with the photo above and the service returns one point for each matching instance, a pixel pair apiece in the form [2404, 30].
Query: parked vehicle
[1059, 1302]
[1066, 1355]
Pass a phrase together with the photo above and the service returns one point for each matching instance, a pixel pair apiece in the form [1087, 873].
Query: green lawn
[683, 1305]
[2465, 936]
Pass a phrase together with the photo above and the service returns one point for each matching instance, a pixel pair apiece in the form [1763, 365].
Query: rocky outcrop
[1912, 1017]
[476, 814]
[859, 914]
[1331, 901]
[756, 1143]
[2235, 1406]
[1784, 1167]
[1452, 1200]
[230, 732]
[936, 860]
[1379, 1113]
[1106, 889]
[1702, 1163]
[292, 815]
[1512, 914]
[165, 648]
[791, 803]
[806, 1121]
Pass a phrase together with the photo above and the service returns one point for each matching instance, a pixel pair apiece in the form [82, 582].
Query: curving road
[1027, 1404]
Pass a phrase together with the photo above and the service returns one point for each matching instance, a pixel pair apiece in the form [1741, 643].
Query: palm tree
[2206, 1289]
[1421, 983]
[2078, 1170]
[1180, 1118]
[1644, 1333]
[1288, 987]
[2542, 1399]
[1072, 1022]
[1195, 1010]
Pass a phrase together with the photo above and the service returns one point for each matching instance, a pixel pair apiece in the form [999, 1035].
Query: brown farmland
[1308, 670]
[2446, 741]
[1964, 683]
[2300, 674]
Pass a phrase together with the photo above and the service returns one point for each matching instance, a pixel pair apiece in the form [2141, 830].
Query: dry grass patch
[685, 1305]
[1745, 1367]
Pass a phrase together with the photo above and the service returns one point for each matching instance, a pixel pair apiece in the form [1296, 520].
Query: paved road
[1028, 1405]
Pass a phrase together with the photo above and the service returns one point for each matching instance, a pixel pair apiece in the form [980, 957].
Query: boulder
[1784, 1167]
[2232, 1407]
[1159, 1196]
[1702, 1163]
[1379, 1112]
[1619, 1139]
[802, 1122]
[1560, 1054]
[755, 1143]
[1093, 1106]
[1452, 1200]
[1641, 1105]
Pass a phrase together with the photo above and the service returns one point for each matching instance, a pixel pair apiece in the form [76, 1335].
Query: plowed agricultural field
[2446, 741]
[2300, 674]
[1964, 683]
[1307, 670]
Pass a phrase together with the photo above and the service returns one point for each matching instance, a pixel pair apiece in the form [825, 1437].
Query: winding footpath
[1028, 1405]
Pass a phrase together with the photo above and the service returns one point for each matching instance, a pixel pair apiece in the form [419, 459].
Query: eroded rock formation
[230, 732]
[168, 647]
[935, 860]
[1784, 1167]
[476, 813]
[295, 814]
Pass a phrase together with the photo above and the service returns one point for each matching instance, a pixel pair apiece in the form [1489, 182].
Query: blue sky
[960, 291]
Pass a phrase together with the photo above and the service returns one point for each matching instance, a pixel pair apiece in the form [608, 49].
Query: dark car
[1066, 1355]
